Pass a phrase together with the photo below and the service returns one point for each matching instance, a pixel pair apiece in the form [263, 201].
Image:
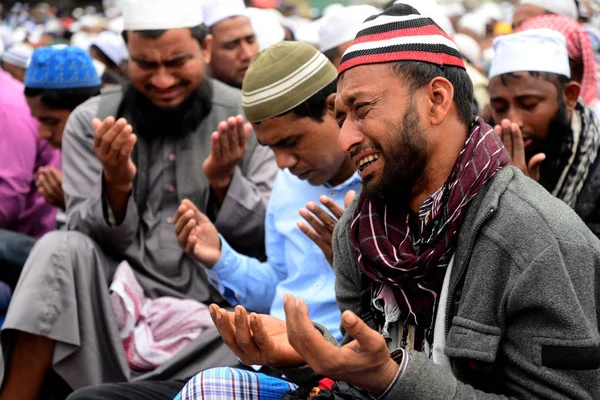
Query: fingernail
[350, 318]
[303, 212]
[219, 315]
[311, 206]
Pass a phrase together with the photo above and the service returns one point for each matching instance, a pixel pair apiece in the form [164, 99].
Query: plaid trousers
[232, 383]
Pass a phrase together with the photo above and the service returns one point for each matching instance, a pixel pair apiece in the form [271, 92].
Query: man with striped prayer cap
[457, 276]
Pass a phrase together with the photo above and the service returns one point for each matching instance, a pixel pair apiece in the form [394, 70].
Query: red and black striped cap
[400, 33]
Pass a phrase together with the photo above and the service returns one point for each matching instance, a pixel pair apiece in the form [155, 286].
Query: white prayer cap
[473, 22]
[116, 25]
[266, 27]
[431, 9]
[454, 9]
[534, 50]
[18, 55]
[308, 32]
[332, 8]
[342, 25]
[468, 47]
[112, 45]
[218, 10]
[161, 14]
[491, 11]
[562, 7]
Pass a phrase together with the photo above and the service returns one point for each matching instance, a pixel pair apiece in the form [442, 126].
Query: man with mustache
[457, 276]
[551, 135]
[157, 142]
[234, 41]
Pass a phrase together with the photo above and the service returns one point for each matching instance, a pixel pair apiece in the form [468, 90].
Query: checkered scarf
[413, 265]
[579, 47]
[581, 152]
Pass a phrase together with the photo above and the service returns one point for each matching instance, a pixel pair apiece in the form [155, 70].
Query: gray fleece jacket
[523, 305]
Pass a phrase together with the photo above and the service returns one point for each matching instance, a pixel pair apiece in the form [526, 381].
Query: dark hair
[418, 74]
[332, 54]
[316, 106]
[104, 58]
[199, 32]
[63, 99]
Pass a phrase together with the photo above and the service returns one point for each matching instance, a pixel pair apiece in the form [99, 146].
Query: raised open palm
[196, 234]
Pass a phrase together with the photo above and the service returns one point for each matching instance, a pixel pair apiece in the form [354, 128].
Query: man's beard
[556, 147]
[151, 121]
[404, 164]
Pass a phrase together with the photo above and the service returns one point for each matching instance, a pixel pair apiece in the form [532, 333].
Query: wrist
[115, 184]
[387, 374]
[220, 182]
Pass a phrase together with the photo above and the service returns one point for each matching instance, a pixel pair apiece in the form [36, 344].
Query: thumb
[364, 336]
[535, 164]
[349, 197]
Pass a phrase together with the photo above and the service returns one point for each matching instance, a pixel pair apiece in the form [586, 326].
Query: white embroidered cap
[216, 11]
[539, 50]
[141, 15]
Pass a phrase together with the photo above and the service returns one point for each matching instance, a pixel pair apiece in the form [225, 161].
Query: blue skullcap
[61, 67]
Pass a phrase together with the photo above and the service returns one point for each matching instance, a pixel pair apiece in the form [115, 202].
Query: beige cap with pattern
[282, 77]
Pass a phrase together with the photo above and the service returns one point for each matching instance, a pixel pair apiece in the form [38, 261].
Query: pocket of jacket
[472, 340]
[575, 354]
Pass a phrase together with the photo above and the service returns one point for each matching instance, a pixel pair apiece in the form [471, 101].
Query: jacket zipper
[463, 271]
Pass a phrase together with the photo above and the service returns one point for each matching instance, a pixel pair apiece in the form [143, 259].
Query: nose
[162, 79]
[44, 132]
[284, 159]
[514, 116]
[349, 137]
[247, 51]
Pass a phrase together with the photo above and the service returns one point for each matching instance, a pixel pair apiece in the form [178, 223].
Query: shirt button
[170, 220]
[171, 188]
[331, 194]
[172, 157]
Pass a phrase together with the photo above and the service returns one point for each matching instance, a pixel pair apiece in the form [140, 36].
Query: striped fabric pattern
[234, 384]
[282, 77]
[400, 33]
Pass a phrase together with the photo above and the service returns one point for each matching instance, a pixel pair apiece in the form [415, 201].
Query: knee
[62, 242]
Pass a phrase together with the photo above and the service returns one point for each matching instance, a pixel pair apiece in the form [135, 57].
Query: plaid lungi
[232, 383]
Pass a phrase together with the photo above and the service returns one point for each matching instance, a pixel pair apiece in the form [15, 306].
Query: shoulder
[341, 233]
[528, 219]
[87, 110]
[79, 124]
[226, 96]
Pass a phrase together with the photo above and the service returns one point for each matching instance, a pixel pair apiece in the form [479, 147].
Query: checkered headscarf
[579, 47]
[400, 33]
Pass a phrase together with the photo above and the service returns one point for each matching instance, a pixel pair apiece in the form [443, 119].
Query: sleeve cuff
[402, 357]
[222, 270]
[229, 258]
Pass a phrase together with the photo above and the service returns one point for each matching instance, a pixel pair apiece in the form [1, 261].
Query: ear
[207, 48]
[571, 93]
[330, 104]
[441, 98]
